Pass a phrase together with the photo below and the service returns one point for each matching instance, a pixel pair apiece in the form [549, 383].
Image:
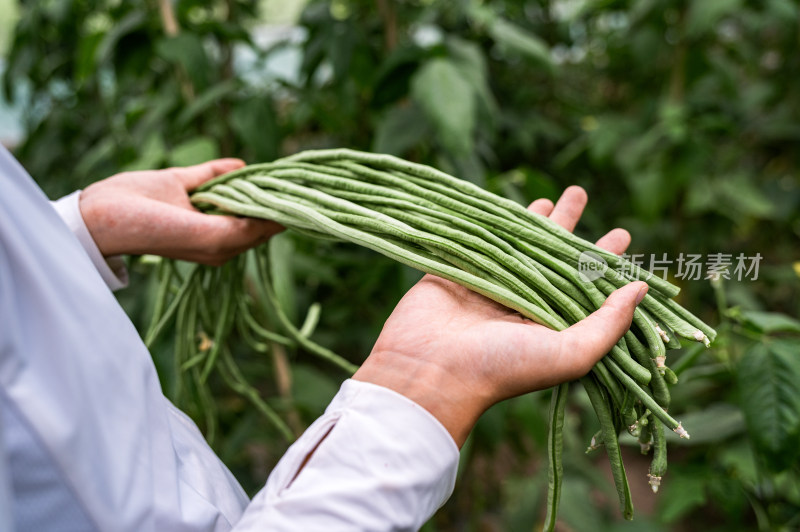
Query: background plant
[679, 118]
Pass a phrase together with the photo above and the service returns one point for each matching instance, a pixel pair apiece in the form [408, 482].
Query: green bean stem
[555, 447]
[658, 467]
[611, 442]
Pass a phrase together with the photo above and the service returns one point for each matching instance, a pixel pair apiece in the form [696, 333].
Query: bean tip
[700, 337]
[654, 481]
[680, 431]
[664, 336]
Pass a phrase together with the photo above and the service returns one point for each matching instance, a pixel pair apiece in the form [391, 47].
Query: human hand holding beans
[150, 212]
[451, 350]
[456, 353]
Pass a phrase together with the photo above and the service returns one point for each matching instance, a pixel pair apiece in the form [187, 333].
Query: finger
[224, 237]
[616, 241]
[184, 234]
[569, 207]
[194, 176]
[584, 343]
[541, 206]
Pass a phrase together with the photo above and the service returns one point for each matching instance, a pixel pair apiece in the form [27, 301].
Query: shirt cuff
[378, 461]
[111, 269]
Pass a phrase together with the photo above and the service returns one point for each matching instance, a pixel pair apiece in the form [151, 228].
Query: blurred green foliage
[681, 119]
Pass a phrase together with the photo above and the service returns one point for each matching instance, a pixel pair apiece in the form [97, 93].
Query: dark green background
[681, 119]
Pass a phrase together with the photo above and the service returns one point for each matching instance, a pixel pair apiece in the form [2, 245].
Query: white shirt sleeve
[380, 462]
[111, 269]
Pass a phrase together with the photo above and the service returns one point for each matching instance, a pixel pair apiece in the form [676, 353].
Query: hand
[150, 212]
[456, 353]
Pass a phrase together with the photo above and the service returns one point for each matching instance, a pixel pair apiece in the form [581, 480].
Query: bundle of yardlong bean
[448, 227]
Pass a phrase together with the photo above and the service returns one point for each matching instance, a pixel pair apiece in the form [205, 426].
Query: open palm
[456, 352]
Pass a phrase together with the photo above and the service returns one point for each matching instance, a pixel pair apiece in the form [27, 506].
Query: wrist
[98, 220]
[112, 268]
[429, 385]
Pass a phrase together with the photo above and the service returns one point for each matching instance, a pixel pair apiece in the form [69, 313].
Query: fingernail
[642, 292]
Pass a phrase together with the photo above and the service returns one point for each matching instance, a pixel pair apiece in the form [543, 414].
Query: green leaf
[606, 134]
[741, 193]
[519, 513]
[648, 189]
[637, 152]
[204, 101]
[734, 195]
[195, 151]
[471, 60]
[574, 511]
[739, 462]
[281, 253]
[770, 322]
[704, 15]
[85, 63]
[151, 155]
[768, 379]
[714, 423]
[682, 494]
[786, 10]
[125, 25]
[312, 389]
[448, 100]
[97, 154]
[10, 17]
[393, 78]
[254, 122]
[492, 427]
[187, 50]
[511, 37]
[403, 127]
[700, 196]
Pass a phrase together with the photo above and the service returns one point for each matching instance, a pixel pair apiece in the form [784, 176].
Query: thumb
[595, 335]
[193, 176]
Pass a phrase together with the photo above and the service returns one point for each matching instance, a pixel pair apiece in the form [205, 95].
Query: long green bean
[611, 444]
[555, 449]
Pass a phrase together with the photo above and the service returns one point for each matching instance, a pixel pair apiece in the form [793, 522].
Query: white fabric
[87, 435]
[39, 487]
[386, 465]
[75, 370]
[6, 517]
